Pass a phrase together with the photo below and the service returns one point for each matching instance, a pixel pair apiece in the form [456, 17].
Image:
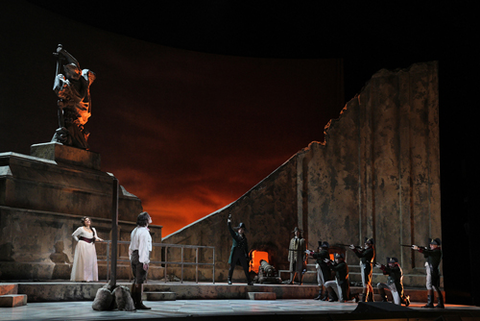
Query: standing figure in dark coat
[323, 271]
[340, 288]
[239, 251]
[296, 256]
[394, 282]
[433, 256]
[367, 257]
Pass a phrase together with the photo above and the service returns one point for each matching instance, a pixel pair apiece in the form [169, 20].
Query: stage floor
[233, 310]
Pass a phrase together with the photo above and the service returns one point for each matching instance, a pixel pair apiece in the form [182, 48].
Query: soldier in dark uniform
[394, 282]
[340, 287]
[367, 257]
[323, 271]
[239, 251]
[433, 256]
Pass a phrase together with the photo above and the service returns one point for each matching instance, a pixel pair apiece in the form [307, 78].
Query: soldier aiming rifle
[433, 256]
[367, 259]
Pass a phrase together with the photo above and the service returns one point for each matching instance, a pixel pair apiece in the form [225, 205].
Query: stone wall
[43, 198]
[37, 245]
[377, 174]
[269, 213]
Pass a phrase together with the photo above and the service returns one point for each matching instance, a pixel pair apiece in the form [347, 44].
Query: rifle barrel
[410, 245]
[356, 246]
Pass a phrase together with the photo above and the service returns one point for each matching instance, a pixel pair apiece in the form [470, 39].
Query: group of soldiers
[339, 288]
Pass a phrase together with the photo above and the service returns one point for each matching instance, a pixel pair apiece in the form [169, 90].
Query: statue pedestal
[42, 199]
[62, 179]
[66, 155]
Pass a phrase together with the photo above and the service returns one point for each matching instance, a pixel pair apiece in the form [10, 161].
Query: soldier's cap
[436, 241]
[392, 260]
[339, 256]
[325, 244]
[369, 240]
[296, 229]
[241, 225]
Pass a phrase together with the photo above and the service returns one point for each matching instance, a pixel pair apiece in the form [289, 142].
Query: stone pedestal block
[43, 184]
[66, 155]
[8, 288]
[13, 300]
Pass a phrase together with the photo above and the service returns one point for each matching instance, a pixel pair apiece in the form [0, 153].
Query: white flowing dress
[85, 261]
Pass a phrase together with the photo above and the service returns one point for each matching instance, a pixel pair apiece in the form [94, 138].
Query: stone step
[160, 296]
[13, 300]
[262, 295]
[8, 288]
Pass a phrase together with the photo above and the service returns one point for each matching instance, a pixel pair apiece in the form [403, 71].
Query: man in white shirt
[139, 252]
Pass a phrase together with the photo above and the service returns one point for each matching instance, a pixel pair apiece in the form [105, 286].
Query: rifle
[410, 245]
[348, 245]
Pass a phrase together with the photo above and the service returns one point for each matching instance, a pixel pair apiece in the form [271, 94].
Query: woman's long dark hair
[93, 230]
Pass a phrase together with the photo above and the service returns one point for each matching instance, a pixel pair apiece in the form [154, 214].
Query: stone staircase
[9, 296]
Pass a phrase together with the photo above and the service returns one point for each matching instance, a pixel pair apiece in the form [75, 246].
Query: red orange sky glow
[186, 132]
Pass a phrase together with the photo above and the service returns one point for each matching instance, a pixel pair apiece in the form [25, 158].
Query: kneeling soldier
[394, 282]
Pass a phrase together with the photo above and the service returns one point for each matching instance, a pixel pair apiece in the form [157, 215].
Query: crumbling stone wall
[377, 174]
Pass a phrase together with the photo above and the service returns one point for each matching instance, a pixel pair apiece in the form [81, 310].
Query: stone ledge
[262, 296]
[8, 288]
[160, 296]
[13, 300]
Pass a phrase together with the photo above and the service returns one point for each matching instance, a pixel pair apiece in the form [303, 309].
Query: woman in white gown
[85, 261]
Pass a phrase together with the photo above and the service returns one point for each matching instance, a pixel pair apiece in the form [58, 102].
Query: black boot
[319, 297]
[331, 295]
[370, 297]
[230, 274]
[429, 302]
[133, 294]
[440, 304]
[138, 302]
